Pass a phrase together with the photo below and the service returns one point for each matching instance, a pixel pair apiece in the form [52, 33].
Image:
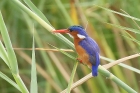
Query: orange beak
[62, 31]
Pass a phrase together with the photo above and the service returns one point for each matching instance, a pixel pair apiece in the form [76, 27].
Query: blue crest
[79, 29]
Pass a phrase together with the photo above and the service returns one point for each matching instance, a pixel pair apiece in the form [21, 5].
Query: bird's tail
[94, 70]
[95, 67]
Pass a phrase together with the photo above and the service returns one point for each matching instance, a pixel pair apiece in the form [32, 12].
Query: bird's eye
[70, 30]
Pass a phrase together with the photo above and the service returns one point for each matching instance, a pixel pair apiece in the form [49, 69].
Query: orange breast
[82, 55]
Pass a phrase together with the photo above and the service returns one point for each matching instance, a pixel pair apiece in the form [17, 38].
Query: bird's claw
[79, 60]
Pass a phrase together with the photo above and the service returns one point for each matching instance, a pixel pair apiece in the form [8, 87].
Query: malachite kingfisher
[86, 47]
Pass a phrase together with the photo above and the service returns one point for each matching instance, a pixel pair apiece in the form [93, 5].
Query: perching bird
[86, 47]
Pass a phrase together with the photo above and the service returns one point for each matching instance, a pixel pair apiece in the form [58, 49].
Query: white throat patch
[81, 36]
[70, 35]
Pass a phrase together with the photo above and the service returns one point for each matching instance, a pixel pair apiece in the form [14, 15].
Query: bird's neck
[76, 41]
[76, 38]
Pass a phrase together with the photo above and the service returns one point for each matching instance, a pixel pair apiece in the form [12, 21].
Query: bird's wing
[95, 45]
[92, 49]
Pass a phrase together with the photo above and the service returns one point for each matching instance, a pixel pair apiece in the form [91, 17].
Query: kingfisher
[86, 48]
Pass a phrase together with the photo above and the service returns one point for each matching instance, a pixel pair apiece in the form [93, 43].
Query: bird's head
[75, 31]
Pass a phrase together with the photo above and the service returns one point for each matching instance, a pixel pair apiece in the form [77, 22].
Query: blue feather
[92, 50]
[95, 67]
[90, 46]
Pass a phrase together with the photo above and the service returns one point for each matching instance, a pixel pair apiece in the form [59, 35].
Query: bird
[86, 48]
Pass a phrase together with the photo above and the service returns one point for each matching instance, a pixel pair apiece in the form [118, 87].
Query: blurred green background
[54, 68]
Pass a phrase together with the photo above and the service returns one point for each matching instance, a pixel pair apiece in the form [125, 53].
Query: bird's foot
[79, 60]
